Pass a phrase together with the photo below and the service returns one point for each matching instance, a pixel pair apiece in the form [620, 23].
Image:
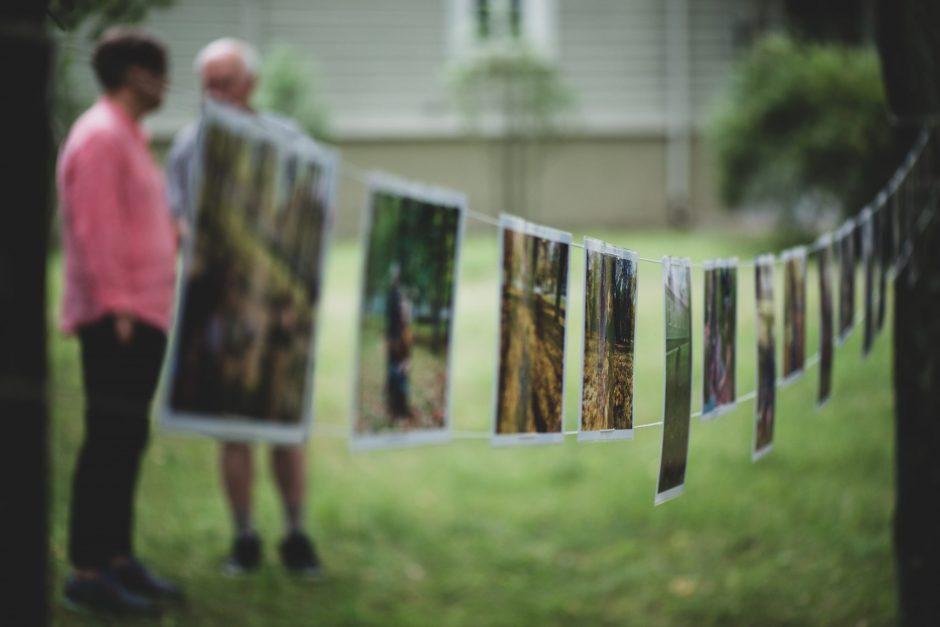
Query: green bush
[511, 80]
[804, 124]
[289, 86]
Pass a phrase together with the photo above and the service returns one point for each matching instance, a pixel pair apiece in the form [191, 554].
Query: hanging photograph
[846, 239]
[719, 339]
[883, 236]
[824, 262]
[610, 276]
[241, 361]
[677, 403]
[766, 357]
[411, 243]
[794, 312]
[533, 295]
[870, 261]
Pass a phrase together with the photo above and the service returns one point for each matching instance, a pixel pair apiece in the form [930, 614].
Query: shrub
[288, 86]
[804, 124]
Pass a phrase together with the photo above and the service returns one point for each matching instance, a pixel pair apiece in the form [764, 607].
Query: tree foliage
[289, 86]
[510, 79]
[804, 123]
[95, 16]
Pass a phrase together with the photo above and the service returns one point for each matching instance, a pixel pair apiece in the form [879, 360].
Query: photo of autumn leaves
[610, 278]
[531, 343]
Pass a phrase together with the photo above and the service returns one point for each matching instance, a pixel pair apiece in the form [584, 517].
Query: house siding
[380, 68]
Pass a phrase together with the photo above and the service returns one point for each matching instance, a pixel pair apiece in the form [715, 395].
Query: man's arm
[179, 177]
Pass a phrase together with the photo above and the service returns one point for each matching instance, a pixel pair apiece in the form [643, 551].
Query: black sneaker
[246, 555]
[299, 556]
[136, 578]
[104, 594]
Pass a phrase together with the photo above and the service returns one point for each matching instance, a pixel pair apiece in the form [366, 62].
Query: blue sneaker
[103, 594]
[137, 579]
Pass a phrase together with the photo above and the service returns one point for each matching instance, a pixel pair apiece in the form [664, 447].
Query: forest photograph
[765, 407]
[251, 281]
[533, 306]
[719, 339]
[871, 267]
[824, 264]
[794, 312]
[608, 348]
[411, 246]
[677, 291]
[846, 239]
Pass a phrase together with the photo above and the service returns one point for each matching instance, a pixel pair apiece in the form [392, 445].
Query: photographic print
[719, 337]
[765, 408]
[241, 361]
[411, 243]
[883, 232]
[846, 238]
[677, 402]
[533, 295]
[610, 276]
[824, 262]
[870, 262]
[794, 312]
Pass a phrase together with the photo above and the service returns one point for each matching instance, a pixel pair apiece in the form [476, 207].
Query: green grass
[464, 534]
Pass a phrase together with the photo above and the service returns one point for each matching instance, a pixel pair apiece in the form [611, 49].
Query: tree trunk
[909, 48]
[917, 405]
[25, 59]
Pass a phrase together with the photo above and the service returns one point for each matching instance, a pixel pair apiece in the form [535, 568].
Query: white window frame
[539, 27]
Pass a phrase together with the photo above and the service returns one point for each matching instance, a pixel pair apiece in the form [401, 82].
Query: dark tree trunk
[25, 60]
[917, 405]
[909, 47]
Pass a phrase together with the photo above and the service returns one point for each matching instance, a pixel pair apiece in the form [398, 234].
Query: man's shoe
[246, 555]
[104, 594]
[137, 579]
[299, 556]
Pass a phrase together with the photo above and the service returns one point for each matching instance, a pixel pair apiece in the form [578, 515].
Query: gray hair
[226, 45]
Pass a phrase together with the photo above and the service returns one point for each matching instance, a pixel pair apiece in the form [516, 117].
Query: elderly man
[228, 69]
[120, 256]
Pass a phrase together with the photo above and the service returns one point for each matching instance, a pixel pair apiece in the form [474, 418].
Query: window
[479, 23]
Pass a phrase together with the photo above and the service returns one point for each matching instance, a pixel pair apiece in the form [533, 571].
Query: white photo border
[592, 245]
[519, 225]
[383, 183]
[233, 427]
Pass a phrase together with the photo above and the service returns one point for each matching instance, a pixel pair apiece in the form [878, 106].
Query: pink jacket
[120, 242]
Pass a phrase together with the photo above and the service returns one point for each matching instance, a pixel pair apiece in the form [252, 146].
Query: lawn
[465, 534]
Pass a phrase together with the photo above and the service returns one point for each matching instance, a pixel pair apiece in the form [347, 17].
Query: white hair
[227, 45]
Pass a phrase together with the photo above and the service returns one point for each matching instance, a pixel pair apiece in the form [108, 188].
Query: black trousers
[119, 380]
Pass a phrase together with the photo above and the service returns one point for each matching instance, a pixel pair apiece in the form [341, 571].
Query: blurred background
[598, 112]
[709, 128]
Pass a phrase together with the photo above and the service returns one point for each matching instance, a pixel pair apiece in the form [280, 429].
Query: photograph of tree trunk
[765, 409]
[824, 263]
[243, 355]
[794, 312]
[533, 306]
[610, 277]
[412, 245]
[719, 336]
[677, 293]
[846, 238]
